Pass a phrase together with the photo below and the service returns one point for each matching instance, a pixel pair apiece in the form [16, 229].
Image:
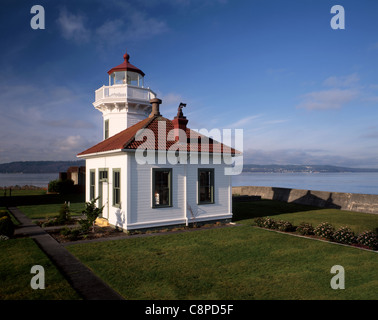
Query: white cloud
[343, 81]
[327, 99]
[73, 26]
[244, 121]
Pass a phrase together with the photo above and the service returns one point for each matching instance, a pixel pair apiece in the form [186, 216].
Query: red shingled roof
[126, 139]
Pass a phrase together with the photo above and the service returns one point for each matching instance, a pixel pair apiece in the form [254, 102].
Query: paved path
[82, 279]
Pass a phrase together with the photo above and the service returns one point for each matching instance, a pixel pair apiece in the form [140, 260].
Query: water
[29, 179]
[349, 182]
[366, 183]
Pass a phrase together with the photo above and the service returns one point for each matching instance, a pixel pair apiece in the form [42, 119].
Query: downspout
[186, 195]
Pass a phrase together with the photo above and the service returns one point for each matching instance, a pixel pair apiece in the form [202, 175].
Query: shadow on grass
[263, 208]
[26, 200]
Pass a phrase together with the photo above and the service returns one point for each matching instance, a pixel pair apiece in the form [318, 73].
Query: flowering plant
[369, 239]
[305, 229]
[344, 235]
[325, 230]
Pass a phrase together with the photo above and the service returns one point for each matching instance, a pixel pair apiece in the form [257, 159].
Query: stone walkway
[82, 279]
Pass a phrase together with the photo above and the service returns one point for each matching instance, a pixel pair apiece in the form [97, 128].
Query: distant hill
[60, 166]
[39, 166]
[301, 168]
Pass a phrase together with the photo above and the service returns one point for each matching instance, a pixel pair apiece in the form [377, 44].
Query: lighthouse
[125, 101]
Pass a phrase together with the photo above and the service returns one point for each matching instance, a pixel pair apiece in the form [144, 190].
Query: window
[106, 129]
[161, 188]
[116, 187]
[205, 186]
[92, 184]
[103, 175]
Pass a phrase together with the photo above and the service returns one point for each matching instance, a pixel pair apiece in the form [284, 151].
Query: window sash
[205, 186]
[161, 187]
[92, 184]
[116, 187]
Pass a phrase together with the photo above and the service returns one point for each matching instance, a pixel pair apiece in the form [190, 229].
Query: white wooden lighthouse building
[138, 191]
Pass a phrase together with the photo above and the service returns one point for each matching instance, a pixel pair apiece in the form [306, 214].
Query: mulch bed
[99, 232]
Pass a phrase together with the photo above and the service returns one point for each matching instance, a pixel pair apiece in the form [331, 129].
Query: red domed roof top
[126, 66]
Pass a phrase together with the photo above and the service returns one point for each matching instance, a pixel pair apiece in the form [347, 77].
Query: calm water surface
[350, 182]
[27, 179]
[366, 183]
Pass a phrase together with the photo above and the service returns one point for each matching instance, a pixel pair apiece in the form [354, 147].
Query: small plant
[285, 226]
[3, 238]
[368, 239]
[6, 226]
[305, 229]
[344, 235]
[324, 230]
[266, 222]
[64, 214]
[91, 213]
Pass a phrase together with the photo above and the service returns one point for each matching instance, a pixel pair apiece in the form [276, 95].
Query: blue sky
[303, 92]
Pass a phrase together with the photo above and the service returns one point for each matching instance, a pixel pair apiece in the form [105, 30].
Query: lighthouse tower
[125, 101]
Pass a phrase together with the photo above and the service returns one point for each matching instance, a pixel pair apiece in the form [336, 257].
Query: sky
[303, 92]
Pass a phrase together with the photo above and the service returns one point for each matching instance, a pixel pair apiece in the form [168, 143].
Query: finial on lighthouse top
[126, 66]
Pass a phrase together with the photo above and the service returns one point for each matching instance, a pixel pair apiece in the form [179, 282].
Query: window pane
[116, 188]
[206, 185]
[162, 187]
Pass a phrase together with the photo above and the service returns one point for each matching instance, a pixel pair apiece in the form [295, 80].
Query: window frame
[154, 205]
[92, 184]
[106, 129]
[212, 186]
[116, 189]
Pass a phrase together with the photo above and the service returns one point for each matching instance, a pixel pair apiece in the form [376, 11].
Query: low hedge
[324, 230]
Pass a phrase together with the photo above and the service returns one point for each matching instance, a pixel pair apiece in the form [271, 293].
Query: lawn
[17, 256]
[240, 262]
[43, 211]
[48, 205]
[246, 212]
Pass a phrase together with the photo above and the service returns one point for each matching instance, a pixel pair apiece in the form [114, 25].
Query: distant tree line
[39, 166]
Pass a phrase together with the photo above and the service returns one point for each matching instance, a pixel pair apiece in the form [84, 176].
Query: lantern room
[126, 73]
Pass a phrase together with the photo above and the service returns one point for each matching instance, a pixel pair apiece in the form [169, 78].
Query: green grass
[20, 192]
[230, 263]
[246, 212]
[50, 210]
[17, 256]
[47, 205]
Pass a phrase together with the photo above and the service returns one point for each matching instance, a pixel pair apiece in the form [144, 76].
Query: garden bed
[99, 232]
[326, 232]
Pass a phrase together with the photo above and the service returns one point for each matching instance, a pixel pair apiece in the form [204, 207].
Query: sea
[27, 179]
[349, 182]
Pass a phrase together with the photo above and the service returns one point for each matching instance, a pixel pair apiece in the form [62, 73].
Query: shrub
[91, 213]
[344, 235]
[266, 222]
[6, 226]
[285, 226]
[64, 214]
[305, 229]
[324, 230]
[61, 186]
[369, 239]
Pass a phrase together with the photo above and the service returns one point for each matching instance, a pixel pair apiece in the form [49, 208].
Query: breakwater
[346, 201]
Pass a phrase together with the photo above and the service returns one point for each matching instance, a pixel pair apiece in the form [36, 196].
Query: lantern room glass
[126, 77]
